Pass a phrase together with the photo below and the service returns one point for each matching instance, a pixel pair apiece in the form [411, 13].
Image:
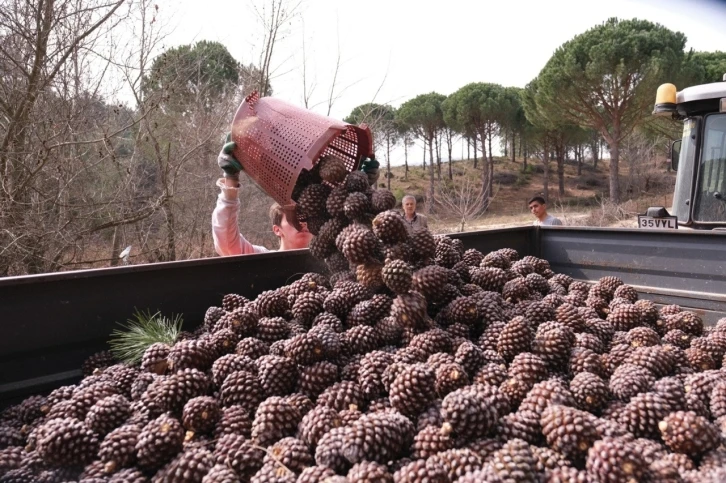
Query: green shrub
[529, 169]
[505, 179]
[522, 180]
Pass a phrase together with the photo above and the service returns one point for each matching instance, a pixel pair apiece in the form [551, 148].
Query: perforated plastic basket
[276, 141]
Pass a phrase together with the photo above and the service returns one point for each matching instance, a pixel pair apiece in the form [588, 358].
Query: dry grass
[607, 214]
[584, 202]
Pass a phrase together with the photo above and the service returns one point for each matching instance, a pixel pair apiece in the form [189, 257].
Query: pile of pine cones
[413, 360]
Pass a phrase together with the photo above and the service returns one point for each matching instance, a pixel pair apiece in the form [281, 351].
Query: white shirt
[227, 238]
[548, 221]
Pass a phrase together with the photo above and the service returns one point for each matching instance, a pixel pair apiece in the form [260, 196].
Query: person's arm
[556, 221]
[226, 235]
[424, 222]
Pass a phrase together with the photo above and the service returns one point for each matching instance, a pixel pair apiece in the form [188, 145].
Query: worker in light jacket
[538, 207]
[227, 238]
[225, 232]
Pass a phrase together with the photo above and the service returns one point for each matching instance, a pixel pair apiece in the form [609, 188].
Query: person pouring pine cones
[227, 238]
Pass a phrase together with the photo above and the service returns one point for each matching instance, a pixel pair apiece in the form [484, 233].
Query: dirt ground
[583, 203]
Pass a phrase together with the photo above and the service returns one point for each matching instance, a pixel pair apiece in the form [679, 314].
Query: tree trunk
[439, 147]
[115, 246]
[506, 145]
[485, 177]
[514, 146]
[450, 147]
[614, 172]
[438, 158]
[430, 200]
[424, 155]
[468, 147]
[521, 146]
[405, 159]
[489, 137]
[388, 162]
[560, 149]
[490, 188]
[578, 156]
[595, 150]
[483, 147]
[484, 188]
[203, 244]
[473, 140]
[171, 234]
[546, 162]
[631, 181]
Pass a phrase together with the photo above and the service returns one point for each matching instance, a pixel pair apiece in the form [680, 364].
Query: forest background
[110, 134]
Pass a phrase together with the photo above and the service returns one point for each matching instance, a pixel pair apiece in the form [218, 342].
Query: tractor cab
[699, 157]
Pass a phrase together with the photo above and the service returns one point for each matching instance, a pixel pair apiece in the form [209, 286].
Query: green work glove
[227, 161]
[370, 167]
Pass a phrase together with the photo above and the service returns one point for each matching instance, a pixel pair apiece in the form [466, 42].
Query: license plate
[666, 223]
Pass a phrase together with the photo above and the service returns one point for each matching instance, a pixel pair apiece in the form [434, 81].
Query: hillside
[584, 202]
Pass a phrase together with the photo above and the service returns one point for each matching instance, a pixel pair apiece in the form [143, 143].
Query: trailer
[53, 322]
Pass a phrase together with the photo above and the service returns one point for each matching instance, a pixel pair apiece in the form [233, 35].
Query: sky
[393, 50]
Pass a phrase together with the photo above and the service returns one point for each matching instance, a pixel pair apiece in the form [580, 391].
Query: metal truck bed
[51, 323]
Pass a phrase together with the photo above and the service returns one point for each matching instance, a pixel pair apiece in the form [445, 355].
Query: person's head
[409, 205]
[537, 206]
[290, 237]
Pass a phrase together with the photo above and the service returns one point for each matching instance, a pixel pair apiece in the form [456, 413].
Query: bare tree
[462, 199]
[332, 96]
[640, 152]
[309, 84]
[196, 88]
[274, 16]
[84, 174]
[48, 95]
